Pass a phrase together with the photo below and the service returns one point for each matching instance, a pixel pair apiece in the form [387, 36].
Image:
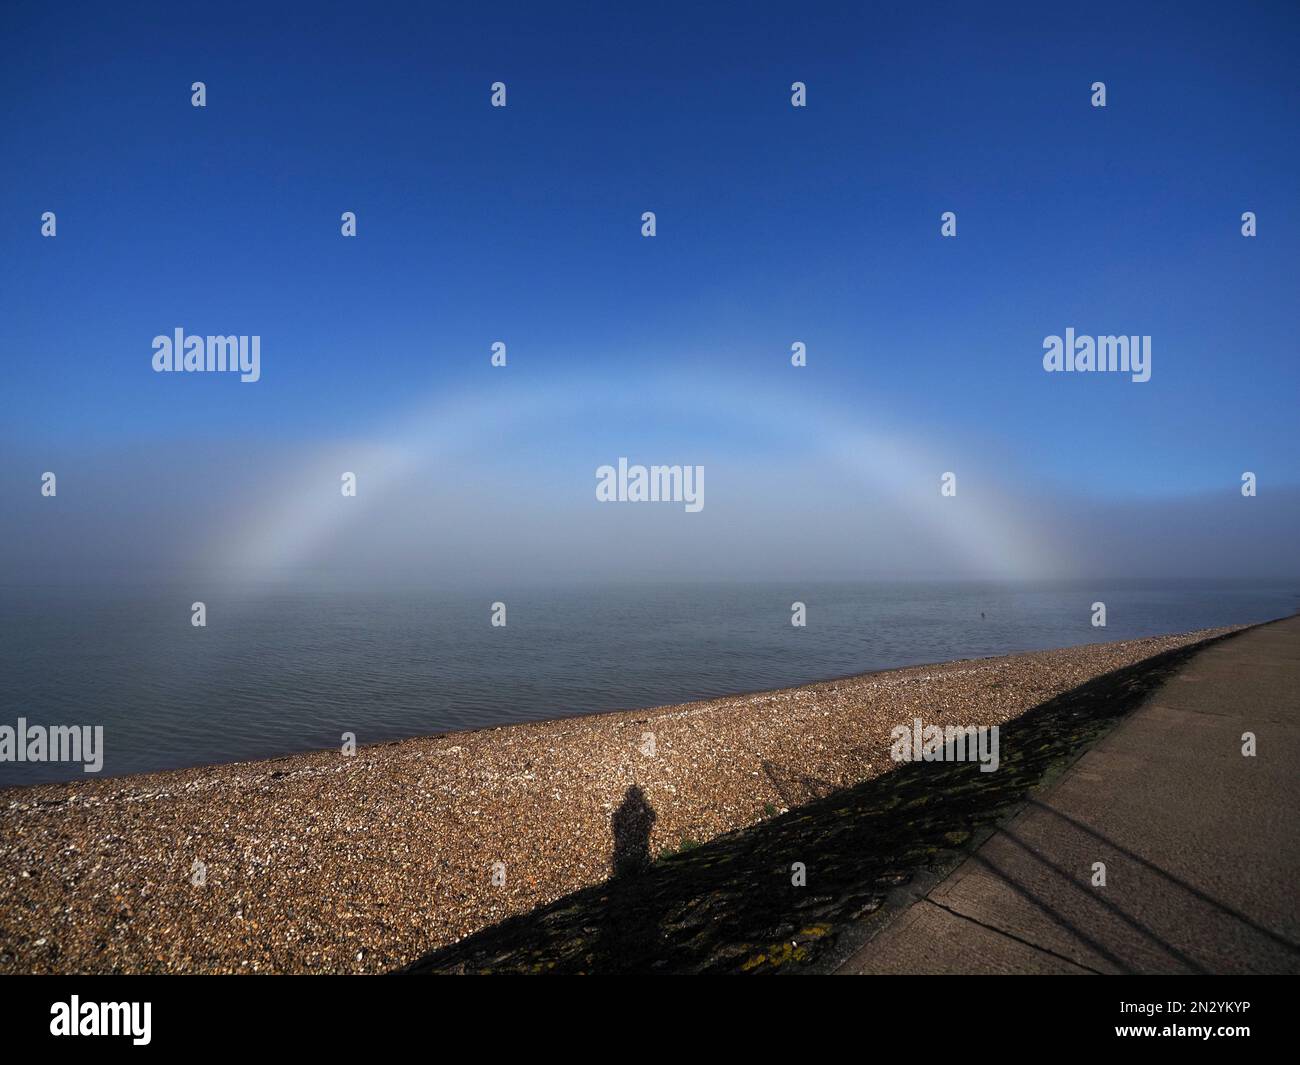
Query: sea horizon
[285, 668]
[724, 489]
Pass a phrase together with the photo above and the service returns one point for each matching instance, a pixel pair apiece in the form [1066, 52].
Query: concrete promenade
[1201, 845]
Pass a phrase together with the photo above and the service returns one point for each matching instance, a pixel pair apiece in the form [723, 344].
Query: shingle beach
[323, 862]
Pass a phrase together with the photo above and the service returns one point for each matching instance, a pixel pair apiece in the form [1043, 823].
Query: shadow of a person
[631, 826]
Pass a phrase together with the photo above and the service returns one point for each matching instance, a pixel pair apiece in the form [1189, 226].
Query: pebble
[312, 869]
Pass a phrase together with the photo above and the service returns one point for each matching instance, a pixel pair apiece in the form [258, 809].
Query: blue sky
[775, 224]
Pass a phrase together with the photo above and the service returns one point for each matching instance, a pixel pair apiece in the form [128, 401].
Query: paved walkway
[1201, 845]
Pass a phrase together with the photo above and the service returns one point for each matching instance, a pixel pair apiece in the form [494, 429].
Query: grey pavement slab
[1201, 845]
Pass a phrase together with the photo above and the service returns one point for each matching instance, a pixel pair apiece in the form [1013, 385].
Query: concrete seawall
[1198, 842]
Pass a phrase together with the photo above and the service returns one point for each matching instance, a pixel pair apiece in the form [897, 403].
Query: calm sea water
[276, 672]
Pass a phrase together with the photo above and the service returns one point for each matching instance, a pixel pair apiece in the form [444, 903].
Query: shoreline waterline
[327, 862]
[291, 672]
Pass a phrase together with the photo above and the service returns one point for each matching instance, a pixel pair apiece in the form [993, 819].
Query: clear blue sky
[775, 224]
